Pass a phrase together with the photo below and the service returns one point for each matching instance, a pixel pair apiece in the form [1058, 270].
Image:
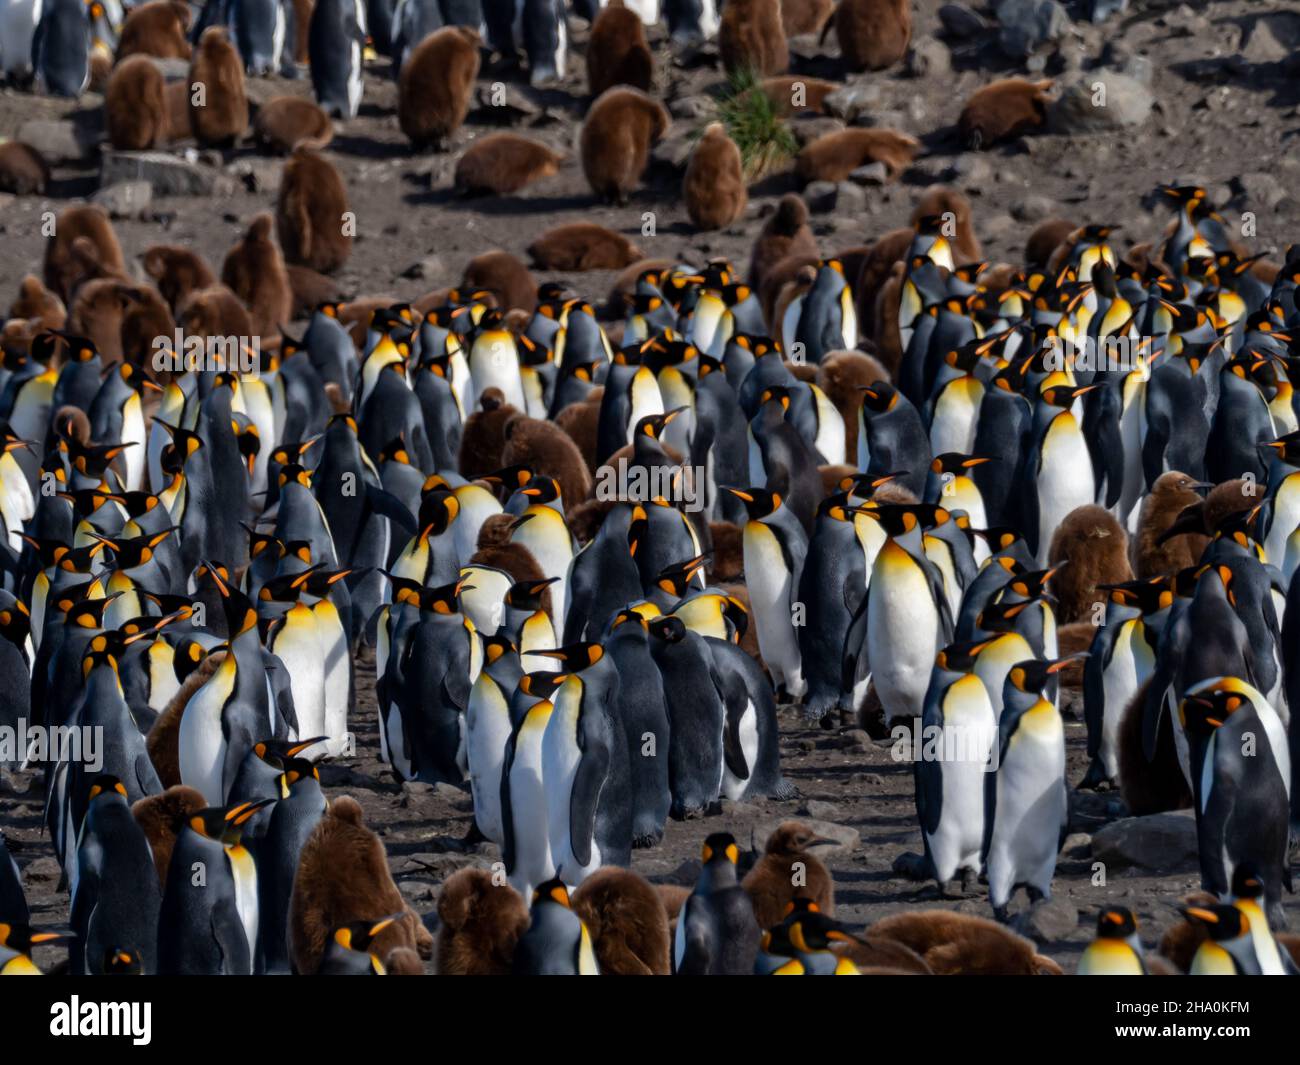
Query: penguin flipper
[229, 938]
[854, 662]
[588, 782]
[1094, 692]
[929, 793]
[696, 938]
[507, 814]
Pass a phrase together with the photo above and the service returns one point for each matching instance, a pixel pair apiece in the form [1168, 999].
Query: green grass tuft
[766, 143]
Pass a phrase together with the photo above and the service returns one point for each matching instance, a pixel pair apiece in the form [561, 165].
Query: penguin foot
[1095, 779]
[1036, 895]
[914, 866]
[646, 839]
[785, 791]
[970, 881]
[1001, 914]
[474, 835]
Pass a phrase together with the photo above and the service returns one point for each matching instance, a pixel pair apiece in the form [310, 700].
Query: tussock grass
[765, 141]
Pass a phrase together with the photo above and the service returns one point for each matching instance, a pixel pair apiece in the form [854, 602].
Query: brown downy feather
[771, 882]
[1169, 497]
[1155, 786]
[727, 559]
[842, 375]
[343, 876]
[627, 921]
[479, 924]
[484, 437]
[1071, 639]
[1091, 548]
[160, 817]
[955, 944]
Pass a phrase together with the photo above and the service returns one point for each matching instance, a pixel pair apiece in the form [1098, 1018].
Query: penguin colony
[903, 487]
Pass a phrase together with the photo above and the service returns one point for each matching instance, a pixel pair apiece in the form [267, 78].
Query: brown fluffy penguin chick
[254, 271]
[618, 52]
[674, 897]
[879, 263]
[290, 122]
[98, 312]
[873, 34]
[585, 519]
[714, 186]
[37, 303]
[310, 290]
[1169, 497]
[219, 112]
[805, 16]
[1155, 786]
[343, 876]
[479, 923]
[727, 559]
[505, 277]
[579, 246]
[752, 37]
[310, 217]
[215, 311]
[403, 961]
[835, 156]
[842, 375]
[62, 268]
[943, 200]
[1045, 238]
[795, 94]
[484, 436]
[177, 95]
[1181, 940]
[775, 292]
[163, 741]
[436, 84]
[177, 272]
[785, 234]
[883, 956]
[616, 138]
[788, 861]
[23, 170]
[147, 317]
[1002, 111]
[1072, 639]
[160, 817]
[158, 28]
[1091, 548]
[503, 163]
[496, 550]
[546, 449]
[954, 944]
[627, 922]
[580, 422]
[135, 105]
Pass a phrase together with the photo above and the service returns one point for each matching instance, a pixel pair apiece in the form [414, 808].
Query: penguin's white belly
[1065, 480]
[1124, 674]
[18, 21]
[529, 815]
[963, 746]
[769, 582]
[1286, 517]
[733, 787]
[395, 743]
[956, 418]
[201, 742]
[1031, 807]
[244, 872]
[902, 633]
[298, 646]
[560, 757]
[335, 655]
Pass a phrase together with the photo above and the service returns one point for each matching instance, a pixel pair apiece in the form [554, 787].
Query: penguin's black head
[815, 931]
[779, 394]
[999, 538]
[1211, 578]
[1246, 882]
[1286, 448]
[758, 346]
[542, 489]
[107, 785]
[1033, 674]
[1148, 595]
[277, 753]
[575, 656]
[552, 891]
[1002, 617]
[444, 599]
[527, 595]
[800, 905]
[956, 464]
[1223, 923]
[23, 937]
[321, 581]
[511, 477]
[15, 619]
[1116, 922]
[627, 616]
[899, 519]
[122, 962]
[89, 613]
[240, 615]
[438, 509]
[676, 578]
[189, 653]
[960, 657]
[541, 683]
[225, 824]
[653, 425]
[1205, 711]
[668, 628]
[720, 846]
[395, 449]
[1063, 396]
[293, 473]
[497, 645]
[296, 769]
[879, 397]
[759, 502]
[1033, 584]
[358, 935]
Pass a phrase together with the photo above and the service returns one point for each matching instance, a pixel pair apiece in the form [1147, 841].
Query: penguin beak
[303, 745]
[743, 496]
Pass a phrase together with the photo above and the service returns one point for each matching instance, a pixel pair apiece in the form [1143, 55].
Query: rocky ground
[1212, 89]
